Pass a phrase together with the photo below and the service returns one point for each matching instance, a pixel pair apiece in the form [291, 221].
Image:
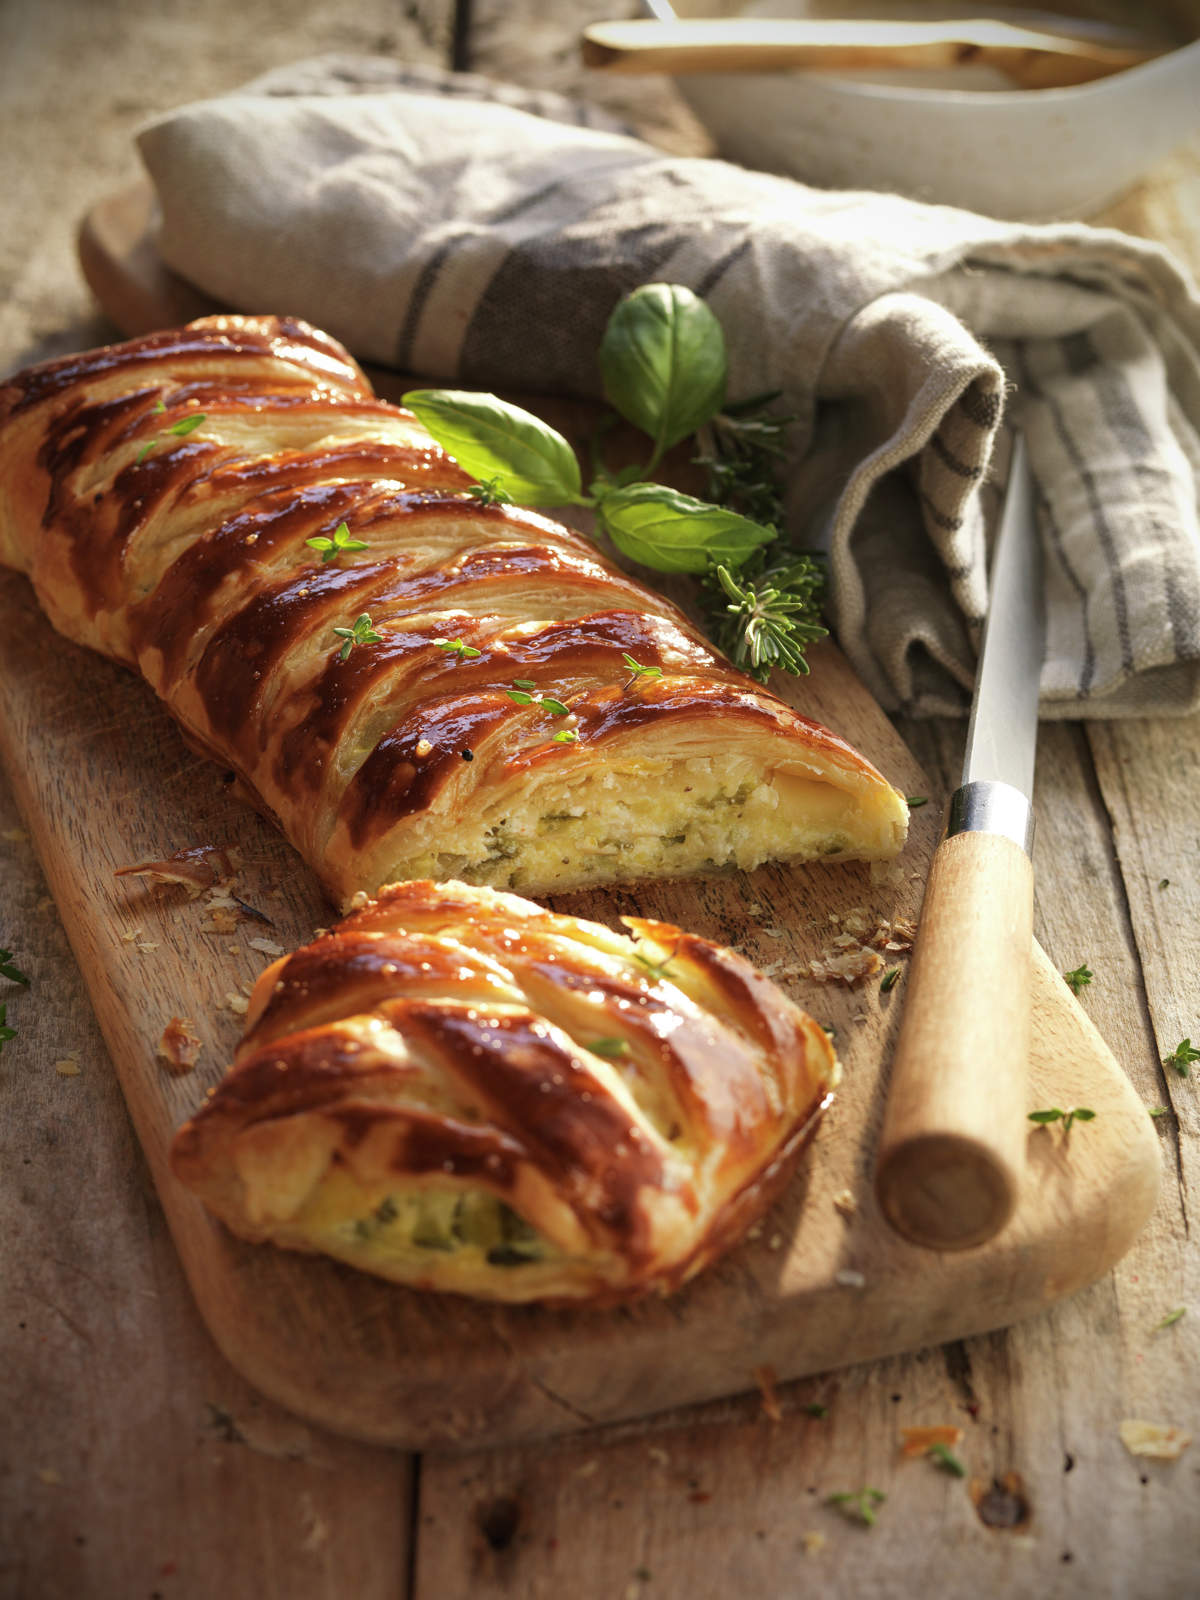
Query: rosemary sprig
[766, 621]
[740, 447]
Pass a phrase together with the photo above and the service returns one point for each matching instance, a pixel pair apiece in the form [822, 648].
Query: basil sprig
[495, 441]
[672, 532]
[664, 367]
[663, 362]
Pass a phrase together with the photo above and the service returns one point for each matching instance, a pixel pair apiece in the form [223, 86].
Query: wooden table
[135, 1463]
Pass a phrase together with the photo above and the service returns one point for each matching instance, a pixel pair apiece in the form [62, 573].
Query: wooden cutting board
[104, 780]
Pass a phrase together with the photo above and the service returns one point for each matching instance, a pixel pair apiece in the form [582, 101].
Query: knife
[952, 1147]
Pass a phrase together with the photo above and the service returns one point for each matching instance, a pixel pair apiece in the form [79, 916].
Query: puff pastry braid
[459, 1090]
[160, 494]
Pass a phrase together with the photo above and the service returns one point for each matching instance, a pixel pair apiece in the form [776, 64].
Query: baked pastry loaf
[459, 1090]
[161, 495]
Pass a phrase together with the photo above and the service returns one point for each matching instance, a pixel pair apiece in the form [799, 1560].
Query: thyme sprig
[1057, 1114]
[178, 430]
[331, 548]
[858, 1504]
[1181, 1058]
[359, 632]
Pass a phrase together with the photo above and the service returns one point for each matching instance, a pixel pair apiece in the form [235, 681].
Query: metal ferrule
[989, 806]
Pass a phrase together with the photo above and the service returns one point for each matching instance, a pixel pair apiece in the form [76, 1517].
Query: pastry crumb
[812, 1543]
[764, 1377]
[848, 966]
[918, 1441]
[1159, 1440]
[68, 1067]
[221, 919]
[266, 947]
[237, 1003]
[195, 868]
[886, 874]
[50, 1476]
[179, 1046]
[848, 1278]
[845, 1202]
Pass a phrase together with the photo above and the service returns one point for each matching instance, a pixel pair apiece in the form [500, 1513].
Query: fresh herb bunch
[741, 449]
[664, 368]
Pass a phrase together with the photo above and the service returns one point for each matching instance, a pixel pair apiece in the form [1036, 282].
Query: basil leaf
[671, 532]
[491, 439]
[663, 362]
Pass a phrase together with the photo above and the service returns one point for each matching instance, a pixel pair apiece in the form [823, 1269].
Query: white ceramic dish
[959, 138]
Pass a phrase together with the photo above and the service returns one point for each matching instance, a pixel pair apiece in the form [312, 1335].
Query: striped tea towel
[477, 234]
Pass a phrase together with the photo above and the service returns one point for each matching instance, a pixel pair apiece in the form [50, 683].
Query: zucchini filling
[448, 1221]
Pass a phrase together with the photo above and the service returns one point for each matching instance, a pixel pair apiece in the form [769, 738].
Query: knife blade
[952, 1147]
[997, 782]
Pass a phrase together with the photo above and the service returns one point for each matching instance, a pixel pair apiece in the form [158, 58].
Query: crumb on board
[223, 913]
[50, 1476]
[15, 836]
[812, 1542]
[918, 1441]
[237, 1003]
[179, 1046]
[848, 966]
[1158, 1440]
[848, 1278]
[67, 1066]
[195, 868]
[659, 1456]
[854, 951]
[266, 947]
[845, 1202]
[316, 1528]
[764, 1377]
[886, 874]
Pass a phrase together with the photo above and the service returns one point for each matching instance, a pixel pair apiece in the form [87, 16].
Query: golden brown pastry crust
[607, 1114]
[185, 555]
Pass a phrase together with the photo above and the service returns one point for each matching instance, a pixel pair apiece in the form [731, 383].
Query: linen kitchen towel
[477, 234]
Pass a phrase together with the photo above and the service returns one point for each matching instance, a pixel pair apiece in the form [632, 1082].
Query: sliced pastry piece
[411, 683]
[459, 1090]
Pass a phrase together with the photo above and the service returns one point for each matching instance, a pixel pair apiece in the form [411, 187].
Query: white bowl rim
[1070, 94]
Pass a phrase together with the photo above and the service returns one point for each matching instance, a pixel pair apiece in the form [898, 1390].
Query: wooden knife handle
[954, 1131]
